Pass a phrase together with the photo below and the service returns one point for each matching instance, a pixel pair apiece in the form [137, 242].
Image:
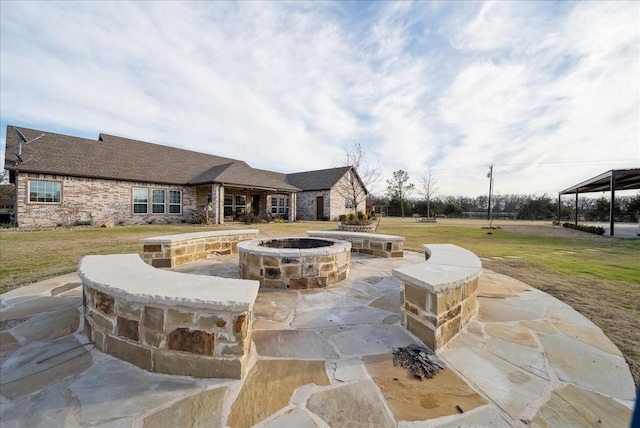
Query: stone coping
[447, 267]
[362, 235]
[254, 247]
[128, 277]
[167, 239]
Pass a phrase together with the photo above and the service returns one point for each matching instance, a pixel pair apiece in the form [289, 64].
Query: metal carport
[616, 179]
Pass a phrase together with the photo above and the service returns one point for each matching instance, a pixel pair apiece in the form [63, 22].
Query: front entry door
[255, 205]
[319, 207]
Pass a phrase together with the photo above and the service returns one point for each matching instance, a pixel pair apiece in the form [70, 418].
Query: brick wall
[95, 200]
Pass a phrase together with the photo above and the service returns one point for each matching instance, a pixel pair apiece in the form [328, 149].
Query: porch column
[214, 203]
[293, 203]
[220, 208]
[576, 206]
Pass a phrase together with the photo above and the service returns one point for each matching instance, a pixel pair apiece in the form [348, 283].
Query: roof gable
[322, 179]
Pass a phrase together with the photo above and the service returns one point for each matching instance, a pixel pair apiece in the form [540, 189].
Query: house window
[157, 201]
[140, 200]
[175, 202]
[279, 205]
[228, 205]
[349, 204]
[45, 191]
[241, 204]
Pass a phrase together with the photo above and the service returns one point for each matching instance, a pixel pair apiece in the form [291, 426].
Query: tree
[428, 187]
[398, 187]
[366, 175]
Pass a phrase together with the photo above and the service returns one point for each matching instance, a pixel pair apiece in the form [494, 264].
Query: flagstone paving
[322, 358]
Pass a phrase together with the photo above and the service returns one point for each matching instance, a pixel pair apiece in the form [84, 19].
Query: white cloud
[548, 92]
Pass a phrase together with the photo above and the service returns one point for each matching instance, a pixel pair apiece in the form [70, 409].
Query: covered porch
[220, 203]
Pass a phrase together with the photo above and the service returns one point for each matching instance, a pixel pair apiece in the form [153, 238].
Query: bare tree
[354, 187]
[4, 176]
[398, 187]
[429, 187]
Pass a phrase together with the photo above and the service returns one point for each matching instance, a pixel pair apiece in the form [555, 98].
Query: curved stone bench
[173, 250]
[167, 322]
[375, 244]
[440, 293]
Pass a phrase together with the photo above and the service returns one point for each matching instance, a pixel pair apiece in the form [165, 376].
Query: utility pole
[490, 175]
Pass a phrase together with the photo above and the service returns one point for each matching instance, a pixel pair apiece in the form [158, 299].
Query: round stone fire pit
[295, 263]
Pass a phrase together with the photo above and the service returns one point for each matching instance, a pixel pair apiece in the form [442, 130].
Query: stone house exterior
[65, 180]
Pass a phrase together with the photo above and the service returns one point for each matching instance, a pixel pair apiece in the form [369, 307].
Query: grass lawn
[598, 276]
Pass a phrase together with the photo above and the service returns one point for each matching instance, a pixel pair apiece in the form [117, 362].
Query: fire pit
[295, 263]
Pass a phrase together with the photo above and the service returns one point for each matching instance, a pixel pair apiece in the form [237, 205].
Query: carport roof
[623, 179]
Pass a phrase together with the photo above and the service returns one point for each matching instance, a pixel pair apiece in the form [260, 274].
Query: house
[65, 180]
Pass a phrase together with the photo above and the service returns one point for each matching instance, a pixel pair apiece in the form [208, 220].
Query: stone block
[212, 247]
[326, 267]
[198, 366]
[318, 282]
[153, 339]
[176, 251]
[446, 301]
[469, 308]
[87, 329]
[128, 351]
[210, 322]
[187, 258]
[182, 318]
[153, 318]
[191, 341]
[272, 273]
[299, 283]
[341, 276]
[367, 251]
[449, 330]
[289, 271]
[101, 321]
[424, 333]
[200, 247]
[310, 269]
[449, 315]
[128, 328]
[161, 263]
[152, 248]
[104, 303]
[397, 254]
[129, 310]
[410, 308]
[236, 350]
[415, 295]
[270, 261]
[472, 287]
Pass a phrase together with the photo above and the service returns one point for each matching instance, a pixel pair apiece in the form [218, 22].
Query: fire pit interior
[295, 263]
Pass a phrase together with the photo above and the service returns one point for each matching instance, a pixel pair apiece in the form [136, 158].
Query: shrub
[362, 216]
[597, 230]
[342, 218]
[352, 217]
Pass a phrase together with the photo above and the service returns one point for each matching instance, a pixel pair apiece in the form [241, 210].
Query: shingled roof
[322, 179]
[117, 158]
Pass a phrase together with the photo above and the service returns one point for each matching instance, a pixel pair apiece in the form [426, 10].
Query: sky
[546, 92]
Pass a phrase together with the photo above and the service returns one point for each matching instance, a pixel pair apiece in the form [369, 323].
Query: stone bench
[173, 250]
[375, 244]
[167, 322]
[440, 293]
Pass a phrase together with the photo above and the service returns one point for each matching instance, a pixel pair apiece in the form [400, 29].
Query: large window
[140, 200]
[234, 205]
[175, 202]
[279, 205]
[157, 201]
[45, 191]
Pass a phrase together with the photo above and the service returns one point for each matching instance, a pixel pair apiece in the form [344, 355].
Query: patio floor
[322, 358]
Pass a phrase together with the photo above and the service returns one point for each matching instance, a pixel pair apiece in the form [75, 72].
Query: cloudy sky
[547, 92]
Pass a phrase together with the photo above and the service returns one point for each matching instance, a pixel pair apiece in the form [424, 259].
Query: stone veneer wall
[296, 269]
[92, 199]
[166, 335]
[306, 204]
[373, 244]
[440, 295]
[174, 250]
[369, 228]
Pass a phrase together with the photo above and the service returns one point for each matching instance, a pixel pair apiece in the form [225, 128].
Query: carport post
[611, 204]
[576, 206]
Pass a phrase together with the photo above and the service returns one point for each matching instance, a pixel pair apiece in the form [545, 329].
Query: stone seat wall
[375, 244]
[440, 293]
[167, 322]
[173, 250]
